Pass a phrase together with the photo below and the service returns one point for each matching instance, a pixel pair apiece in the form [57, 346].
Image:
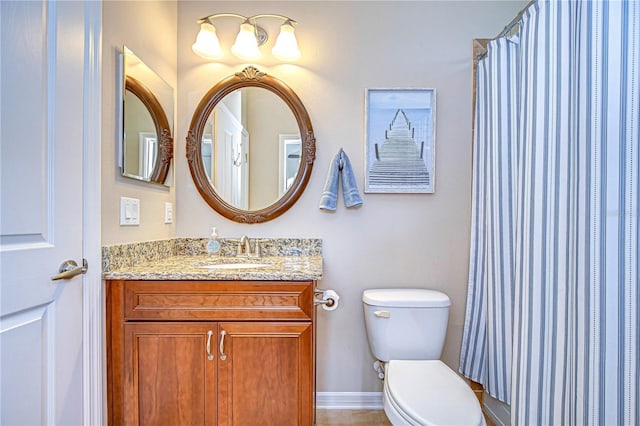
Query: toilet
[406, 329]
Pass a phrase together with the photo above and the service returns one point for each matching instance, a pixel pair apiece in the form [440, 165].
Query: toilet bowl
[428, 393]
[406, 330]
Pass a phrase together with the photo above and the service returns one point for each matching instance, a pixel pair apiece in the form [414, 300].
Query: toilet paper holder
[319, 298]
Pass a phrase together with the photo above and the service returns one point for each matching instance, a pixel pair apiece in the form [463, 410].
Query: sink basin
[231, 263]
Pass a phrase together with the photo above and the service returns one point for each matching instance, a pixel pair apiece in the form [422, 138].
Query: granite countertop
[277, 268]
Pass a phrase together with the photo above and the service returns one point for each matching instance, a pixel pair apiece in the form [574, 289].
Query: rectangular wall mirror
[147, 123]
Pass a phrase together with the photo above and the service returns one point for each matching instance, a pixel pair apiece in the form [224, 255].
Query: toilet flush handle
[382, 314]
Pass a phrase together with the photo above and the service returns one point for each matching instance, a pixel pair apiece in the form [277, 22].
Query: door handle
[70, 269]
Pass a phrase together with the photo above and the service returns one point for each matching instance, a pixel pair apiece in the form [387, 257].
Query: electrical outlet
[129, 211]
[168, 213]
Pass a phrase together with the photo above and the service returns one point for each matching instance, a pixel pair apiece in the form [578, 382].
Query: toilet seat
[428, 393]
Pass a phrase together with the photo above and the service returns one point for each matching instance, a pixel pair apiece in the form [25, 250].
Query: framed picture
[400, 129]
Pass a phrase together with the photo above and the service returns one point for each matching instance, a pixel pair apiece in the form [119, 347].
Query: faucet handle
[256, 248]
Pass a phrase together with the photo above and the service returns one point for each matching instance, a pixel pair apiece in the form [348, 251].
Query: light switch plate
[168, 213]
[129, 211]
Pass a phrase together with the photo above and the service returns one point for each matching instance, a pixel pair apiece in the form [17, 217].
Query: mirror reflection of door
[243, 157]
[148, 153]
[290, 151]
[240, 148]
[230, 157]
[140, 128]
[207, 152]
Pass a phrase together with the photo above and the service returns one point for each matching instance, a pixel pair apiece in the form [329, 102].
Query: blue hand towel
[340, 169]
[330, 193]
[349, 187]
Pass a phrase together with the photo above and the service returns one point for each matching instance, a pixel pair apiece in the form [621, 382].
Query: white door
[41, 215]
[244, 170]
[229, 157]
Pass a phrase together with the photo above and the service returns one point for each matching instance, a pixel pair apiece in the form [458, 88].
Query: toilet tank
[406, 323]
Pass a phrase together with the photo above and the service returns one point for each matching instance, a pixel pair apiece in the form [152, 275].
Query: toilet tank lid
[405, 297]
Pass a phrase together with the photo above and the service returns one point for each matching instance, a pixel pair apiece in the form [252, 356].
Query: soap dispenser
[213, 245]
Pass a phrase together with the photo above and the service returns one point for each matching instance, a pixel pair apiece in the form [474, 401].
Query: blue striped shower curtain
[486, 350]
[575, 342]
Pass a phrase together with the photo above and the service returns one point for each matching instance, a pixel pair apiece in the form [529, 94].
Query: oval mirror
[147, 144]
[250, 147]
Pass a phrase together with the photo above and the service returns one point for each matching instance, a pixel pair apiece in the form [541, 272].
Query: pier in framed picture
[400, 133]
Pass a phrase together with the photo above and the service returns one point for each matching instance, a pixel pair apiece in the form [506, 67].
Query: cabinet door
[266, 377]
[169, 379]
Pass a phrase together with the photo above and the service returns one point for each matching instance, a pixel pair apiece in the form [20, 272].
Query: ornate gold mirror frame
[249, 77]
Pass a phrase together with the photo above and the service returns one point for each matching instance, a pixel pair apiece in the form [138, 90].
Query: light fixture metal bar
[220, 15]
[270, 15]
[245, 18]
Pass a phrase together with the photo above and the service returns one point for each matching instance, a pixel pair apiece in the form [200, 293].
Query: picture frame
[400, 130]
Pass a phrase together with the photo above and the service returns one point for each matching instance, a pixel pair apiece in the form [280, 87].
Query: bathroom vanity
[212, 341]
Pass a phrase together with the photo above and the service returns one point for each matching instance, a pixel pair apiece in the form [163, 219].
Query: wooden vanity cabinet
[265, 377]
[210, 352]
[166, 378]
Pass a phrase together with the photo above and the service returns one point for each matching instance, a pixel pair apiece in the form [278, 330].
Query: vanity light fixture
[246, 45]
[249, 39]
[286, 47]
[207, 44]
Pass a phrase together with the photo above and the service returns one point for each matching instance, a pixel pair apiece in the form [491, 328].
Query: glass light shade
[207, 44]
[246, 45]
[286, 47]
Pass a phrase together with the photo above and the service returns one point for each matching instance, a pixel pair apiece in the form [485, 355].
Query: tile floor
[373, 417]
[358, 417]
[351, 417]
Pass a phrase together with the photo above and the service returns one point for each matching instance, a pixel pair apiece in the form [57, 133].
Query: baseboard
[349, 400]
[498, 412]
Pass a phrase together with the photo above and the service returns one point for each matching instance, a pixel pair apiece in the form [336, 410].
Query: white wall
[394, 240]
[149, 30]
